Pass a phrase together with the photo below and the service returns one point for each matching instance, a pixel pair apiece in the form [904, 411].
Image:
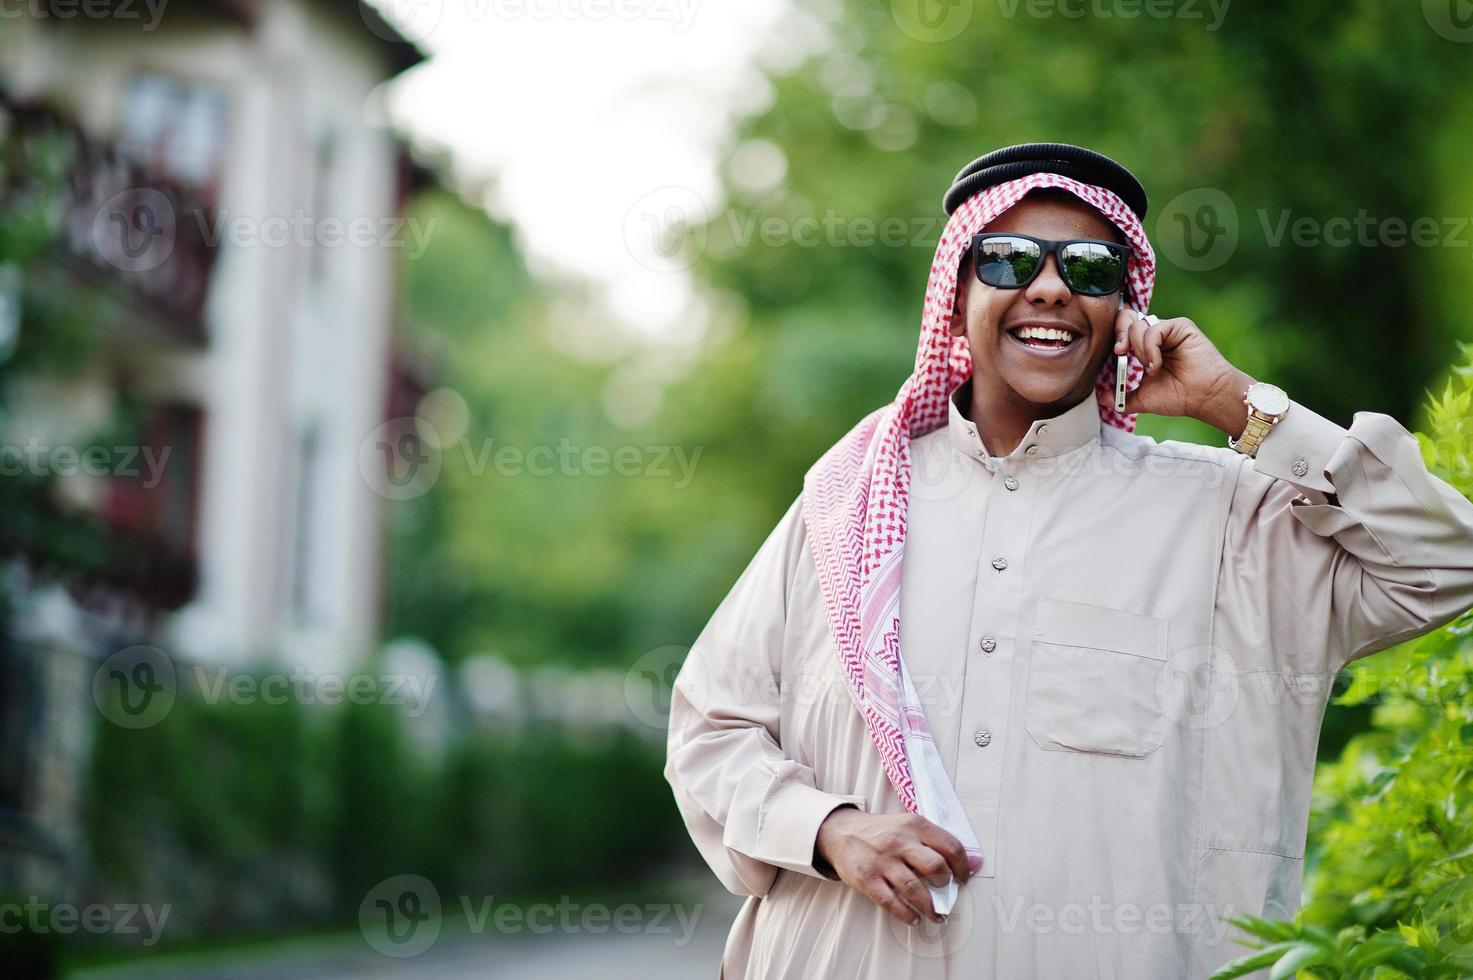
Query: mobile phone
[1121, 370]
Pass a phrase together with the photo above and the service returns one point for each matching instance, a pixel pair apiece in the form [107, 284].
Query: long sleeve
[749, 807]
[1339, 543]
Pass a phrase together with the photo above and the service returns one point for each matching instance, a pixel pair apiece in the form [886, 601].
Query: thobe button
[988, 644]
[1300, 467]
[982, 738]
[1010, 483]
[1043, 428]
[1032, 450]
[999, 563]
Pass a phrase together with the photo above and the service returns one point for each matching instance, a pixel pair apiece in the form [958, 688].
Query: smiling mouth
[1043, 343]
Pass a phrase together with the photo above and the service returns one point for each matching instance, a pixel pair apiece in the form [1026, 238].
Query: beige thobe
[1124, 649]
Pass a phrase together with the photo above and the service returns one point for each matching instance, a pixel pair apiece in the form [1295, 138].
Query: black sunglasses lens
[1006, 261]
[1093, 268]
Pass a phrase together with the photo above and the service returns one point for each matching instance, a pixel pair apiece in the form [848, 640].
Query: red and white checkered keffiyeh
[855, 497]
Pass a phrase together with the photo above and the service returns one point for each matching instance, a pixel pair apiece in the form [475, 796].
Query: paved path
[557, 955]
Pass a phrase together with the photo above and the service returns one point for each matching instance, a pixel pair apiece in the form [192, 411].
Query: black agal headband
[1075, 162]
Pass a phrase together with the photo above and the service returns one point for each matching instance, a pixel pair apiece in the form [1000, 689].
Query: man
[1075, 728]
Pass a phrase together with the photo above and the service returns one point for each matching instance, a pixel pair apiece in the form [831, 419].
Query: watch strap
[1254, 432]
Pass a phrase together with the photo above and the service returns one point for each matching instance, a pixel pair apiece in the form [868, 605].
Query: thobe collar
[1070, 429]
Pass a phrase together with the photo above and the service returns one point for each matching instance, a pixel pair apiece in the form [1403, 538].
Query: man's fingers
[912, 889]
[1151, 337]
[1124, 317]
[951, 850]
[1138, 337]
[879, 891]
[904, 861]
[929, 864]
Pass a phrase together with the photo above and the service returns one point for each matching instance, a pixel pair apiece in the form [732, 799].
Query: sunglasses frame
[1054, 248]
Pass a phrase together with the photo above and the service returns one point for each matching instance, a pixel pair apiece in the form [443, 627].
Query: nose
[1048, 287]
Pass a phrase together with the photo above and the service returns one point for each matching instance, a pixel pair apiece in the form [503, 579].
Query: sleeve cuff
[1299, 447]
[790, 828]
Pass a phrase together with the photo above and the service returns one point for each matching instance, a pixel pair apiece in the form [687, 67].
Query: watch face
[1268, 399]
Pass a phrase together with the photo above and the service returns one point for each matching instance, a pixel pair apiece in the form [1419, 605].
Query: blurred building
[232, 224]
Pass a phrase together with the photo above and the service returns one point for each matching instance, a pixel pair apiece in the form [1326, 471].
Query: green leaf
[1265, 928]
[1374, 952]
[1244, 965]
[1379, 784]
[1298, 957]
[1461, 853]
[1319, 936]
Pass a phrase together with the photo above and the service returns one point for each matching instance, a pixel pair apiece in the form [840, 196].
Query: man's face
[986, 313]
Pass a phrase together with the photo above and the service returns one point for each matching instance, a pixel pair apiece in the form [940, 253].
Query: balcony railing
[122, 225]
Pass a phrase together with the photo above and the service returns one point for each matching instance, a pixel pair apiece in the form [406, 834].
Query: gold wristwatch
[1267, 404]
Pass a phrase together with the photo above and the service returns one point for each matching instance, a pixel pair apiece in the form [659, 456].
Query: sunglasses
[1009, 260]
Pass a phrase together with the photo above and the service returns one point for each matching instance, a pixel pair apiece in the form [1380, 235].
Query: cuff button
[1300, 467]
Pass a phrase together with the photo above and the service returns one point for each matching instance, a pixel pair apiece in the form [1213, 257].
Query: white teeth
[1042, 333]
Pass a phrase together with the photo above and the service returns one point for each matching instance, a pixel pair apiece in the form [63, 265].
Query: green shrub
[256, 818]
[1389, 871]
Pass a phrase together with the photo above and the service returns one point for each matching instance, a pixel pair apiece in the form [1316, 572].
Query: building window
[174, 127]
[155, 494]
[308, 467]
[324, 156]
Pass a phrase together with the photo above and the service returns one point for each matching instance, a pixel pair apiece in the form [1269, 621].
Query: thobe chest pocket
[1093, 680]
